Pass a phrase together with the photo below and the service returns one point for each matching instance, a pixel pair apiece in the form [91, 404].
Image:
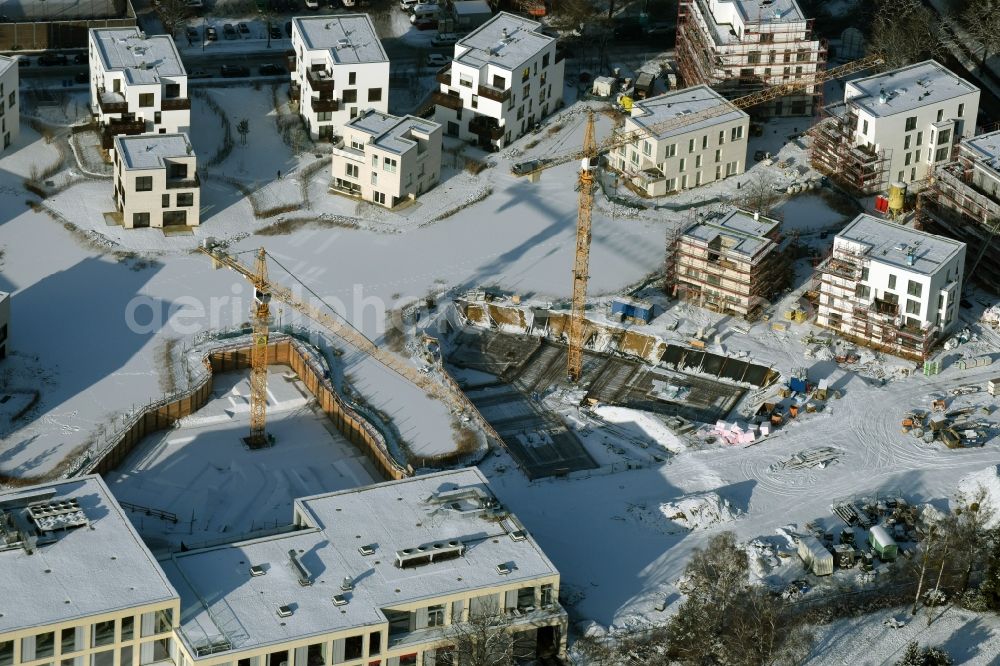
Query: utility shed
[884, 545]
[815, 556]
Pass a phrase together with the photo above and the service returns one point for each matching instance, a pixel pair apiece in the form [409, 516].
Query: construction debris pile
[956, 428]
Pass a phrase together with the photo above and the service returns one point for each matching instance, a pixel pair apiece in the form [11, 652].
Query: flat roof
[655, 110]
[489, 44]
[6, 62]
[408, 514]
[147, 151]
[349, 38]
[740, 232]
[472, 7]
[908, 88]
[764, 11]
[97, 567]
[890, 243]
[389, 132]
[986, 147]
[143, 58]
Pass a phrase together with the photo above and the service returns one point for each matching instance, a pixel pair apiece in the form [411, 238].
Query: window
[912, 307]
[647, 148]
[374, 643]
[157, 622]
[350, 96]
[408, 659]
[753, 57]
[435, 616]
[906, 142]
[911, 124]
[164, 201]
[38, 646]
[943, 137]
[154, 651]
[671, 184]
[697, 162]
[389, 165]
[863, 292]
[722, 137]
[940, 115]
[125, 657]
[682, 165]
[378, 197]
[961, 110]
[546, 595]
[864, 127]
[892, 281]
[525, 73]
[325, 116]
[718, 172]
[906, 161]
[106, 658]
[545, 61]
[941, 155]
[704, 141]
[940, 304]
[185, 199]
[731, 168]
[864, 273]
[465, 80]
[178, 171]
[671, 150]
[353, 646]
[475, 101]
[634, 158]
[71, 639]
[914, 288]
[146, 100]
[737, 133]
[352, 78]
[374, 94]
[374, 178]
[6, 653]
[12, 99]
[144, 184]
[351, 170]
[718, 155]
[920, 138]
[690, 145]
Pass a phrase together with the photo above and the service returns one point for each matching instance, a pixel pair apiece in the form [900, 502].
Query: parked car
[425, 23]
[269, 69]
[192, 33]
[312, 4]
[274, 31]
[348, 4]
[445, 39]
[423, 15]
[232, 71]
[424, 8]
[407, 5]
[211, 34]
[49, 59]
[288, 28]
[244, 28]
[437, 60]
[229, 32]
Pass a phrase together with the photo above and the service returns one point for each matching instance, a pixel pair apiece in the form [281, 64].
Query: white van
[423, 10]
[407, 5]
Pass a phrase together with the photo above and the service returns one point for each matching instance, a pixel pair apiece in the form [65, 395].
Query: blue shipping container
[633, 309]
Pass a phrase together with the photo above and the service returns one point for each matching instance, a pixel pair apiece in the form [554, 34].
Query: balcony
[453, 102]
[120, 127]
[183, 183]
[495, 94]
[291, 60]
[484, 125]
[111, 102]
[320, 105]
[444, 75]
[176, 104]
[343, 150]
[320, 81]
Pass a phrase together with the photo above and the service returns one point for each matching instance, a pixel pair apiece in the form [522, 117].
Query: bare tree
[762, 631]
[904, 32]
[982, 21]
[758, 195]
[174, 15]
[488, 638]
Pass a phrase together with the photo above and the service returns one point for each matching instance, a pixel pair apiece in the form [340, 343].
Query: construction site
[744, 47]
[860, 169]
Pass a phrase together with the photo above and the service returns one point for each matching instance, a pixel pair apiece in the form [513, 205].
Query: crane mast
[581, 263]
[261, 312]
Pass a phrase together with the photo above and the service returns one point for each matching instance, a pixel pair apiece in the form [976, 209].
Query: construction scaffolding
[955, 206]
[769, 52]
[858, 168]
[843, 308]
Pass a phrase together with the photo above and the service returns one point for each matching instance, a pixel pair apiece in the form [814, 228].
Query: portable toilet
[883, 544]
[815, 556]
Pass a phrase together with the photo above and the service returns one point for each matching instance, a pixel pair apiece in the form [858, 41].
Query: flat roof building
[895, 127]
[156, 181]
[339, 69]
[891, 287]
[674, 155]
[10, 103]
[728, 263]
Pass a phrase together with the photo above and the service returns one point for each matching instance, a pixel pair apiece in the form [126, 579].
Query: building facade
[79, 587]
[895, 127]
[138, 84]
[391, 574]
[675, 155]
[10, 104]
[387, 159]
[339, 69]
[156, 181]
[505, 77]
[743, 46]
[891, 287]
[963, 202]
[729, 263]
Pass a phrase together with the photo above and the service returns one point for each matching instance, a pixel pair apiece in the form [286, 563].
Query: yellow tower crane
[592, 149]
[258, 353]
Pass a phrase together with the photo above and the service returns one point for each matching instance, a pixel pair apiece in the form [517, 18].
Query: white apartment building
[10, 103]
[78, 585]
[156, 181]
[387, 159]
[138, 84]
[339, 69]
[505, 77]
[896, 127]
[675, 155]
[384, 574]
[742, 46]
[891, 287]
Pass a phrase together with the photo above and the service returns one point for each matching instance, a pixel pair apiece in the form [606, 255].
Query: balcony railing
[291, 59]
[120, 127]
[484, 125]
[176, 104]
[444, 75]
[448, 101]
[183, 183]
[495, 94]
[324, 105]
[111, 105]
[319, 83]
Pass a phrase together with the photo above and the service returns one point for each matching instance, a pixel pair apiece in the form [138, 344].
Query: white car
[437, 60]
[406, 5]
[312, 4]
